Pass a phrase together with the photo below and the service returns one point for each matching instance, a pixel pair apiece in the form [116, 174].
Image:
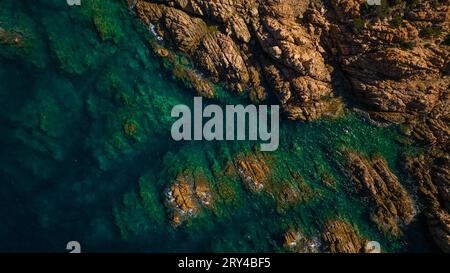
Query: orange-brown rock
[187, 195]
[328, 180]
[288, 47]
[296, 241]
[393, 205]
[202, 189]
[401, 85]
[253, 170]
[3, 35]
[397, 73]
[183, 72]
[432, 171]
[194, 80]
[341, 237]
[252, 45]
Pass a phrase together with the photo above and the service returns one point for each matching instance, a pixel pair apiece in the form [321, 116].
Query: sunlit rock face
[247, 45]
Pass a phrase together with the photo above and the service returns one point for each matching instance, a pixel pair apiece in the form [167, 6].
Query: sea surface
[70, 172]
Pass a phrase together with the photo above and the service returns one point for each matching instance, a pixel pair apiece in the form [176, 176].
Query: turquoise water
[70, 171]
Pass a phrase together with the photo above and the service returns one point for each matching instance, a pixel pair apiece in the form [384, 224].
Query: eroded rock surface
[252, 46]
[392, 204]
[254, 171]
[433, 174]
[395, 59]
[297, 241]
[187, 195]
[398, 72]
[11, 38]
[396, 68]
[341, 237]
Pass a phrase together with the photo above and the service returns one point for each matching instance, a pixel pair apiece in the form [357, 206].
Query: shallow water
[68, 171]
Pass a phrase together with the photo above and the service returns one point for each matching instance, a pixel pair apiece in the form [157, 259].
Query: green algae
[87, 147]
[310, 214]
[104, 15]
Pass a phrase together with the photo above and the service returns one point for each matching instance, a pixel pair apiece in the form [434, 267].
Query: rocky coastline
[318, 57]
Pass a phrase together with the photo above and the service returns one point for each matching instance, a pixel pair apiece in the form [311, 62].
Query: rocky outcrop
[2, 34]
[212, 51]
[219, 56]
[399, 71]
[181, 71]
[187, 195]
[288, 47]
[394, 57]
[341, 237]
[392, 204]
[11, 38]
[296, 241]
[251, 46]
[253, 170]
[432, 171]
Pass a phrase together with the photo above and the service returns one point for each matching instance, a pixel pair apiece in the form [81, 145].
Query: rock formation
[296, 241]
[251, 46]
[187, 195]
[341, 237]
[432, 172]
[289, 48]
[397, 72]
[392, 203]
[391, 60]
[253, 170]
[11, 38]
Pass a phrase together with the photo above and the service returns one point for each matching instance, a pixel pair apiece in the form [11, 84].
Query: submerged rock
[194, 80]
[130, 128]
[181, 71]
[256, 171]
[328, 180]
